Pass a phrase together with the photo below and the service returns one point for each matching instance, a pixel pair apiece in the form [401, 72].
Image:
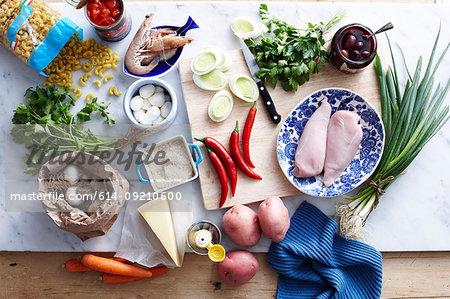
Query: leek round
[214, 80]
[206, 61]
[246, 28]
[244, 87]
[220, 106]
[224, 59]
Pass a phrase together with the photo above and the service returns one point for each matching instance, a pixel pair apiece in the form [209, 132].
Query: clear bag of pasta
[34, 31]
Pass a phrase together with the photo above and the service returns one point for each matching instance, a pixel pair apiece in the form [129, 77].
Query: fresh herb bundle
[290, 53]
[410, 119]
[47, 128]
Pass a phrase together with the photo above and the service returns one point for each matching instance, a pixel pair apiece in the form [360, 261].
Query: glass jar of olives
[351, 49]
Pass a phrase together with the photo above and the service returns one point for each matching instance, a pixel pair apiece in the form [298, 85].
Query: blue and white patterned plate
[366, 159]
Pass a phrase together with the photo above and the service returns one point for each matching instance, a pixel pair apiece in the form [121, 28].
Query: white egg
[71, 197]
[159, 89]
[158, 120]
[167, 98]
[146, 104]
[136, 103]
[147, 91]
[157, 99]
[152, 113]
[165, 109]
[139, 115]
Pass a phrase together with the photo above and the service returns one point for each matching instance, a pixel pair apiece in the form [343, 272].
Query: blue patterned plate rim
[333, 192]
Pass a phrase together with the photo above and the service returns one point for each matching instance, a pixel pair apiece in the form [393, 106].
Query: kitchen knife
[265, 96]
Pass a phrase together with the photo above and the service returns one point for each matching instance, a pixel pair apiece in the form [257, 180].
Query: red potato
[238, 267]
[241, 225]
[274, 218]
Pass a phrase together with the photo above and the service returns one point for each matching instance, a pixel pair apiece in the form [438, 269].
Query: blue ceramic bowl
[366, 159]
[165, 66]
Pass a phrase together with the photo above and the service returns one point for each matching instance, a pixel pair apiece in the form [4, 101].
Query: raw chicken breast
[344, 136]
[310, 154]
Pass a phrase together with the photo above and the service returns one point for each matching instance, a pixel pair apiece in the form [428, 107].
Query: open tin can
[116, 31]
[112, 32]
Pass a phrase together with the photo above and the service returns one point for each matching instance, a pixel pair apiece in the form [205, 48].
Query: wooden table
[39, 274]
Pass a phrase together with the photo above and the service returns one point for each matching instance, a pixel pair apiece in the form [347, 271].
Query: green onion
[410, 119]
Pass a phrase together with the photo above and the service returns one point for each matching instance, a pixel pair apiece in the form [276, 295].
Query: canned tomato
[109, 18]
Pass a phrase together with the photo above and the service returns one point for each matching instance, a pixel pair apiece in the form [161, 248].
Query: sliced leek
[214, 80]
[206, 61]
[220, 106]
[244, 87]
[245, 28]
[224, 59]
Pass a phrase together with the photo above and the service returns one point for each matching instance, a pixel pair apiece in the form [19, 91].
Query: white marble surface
[413, 215]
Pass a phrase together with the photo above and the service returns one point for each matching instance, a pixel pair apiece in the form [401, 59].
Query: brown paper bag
[102, 186]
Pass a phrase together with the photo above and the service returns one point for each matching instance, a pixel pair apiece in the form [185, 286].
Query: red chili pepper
[246, 134]
[223, 154]
[236, 154]
[220, 170]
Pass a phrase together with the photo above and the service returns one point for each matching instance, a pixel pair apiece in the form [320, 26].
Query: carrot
[112, 279]
[113, 267]
[76, 266]
[119, 259]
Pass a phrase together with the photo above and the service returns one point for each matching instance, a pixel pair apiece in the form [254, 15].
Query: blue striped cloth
[313, 261]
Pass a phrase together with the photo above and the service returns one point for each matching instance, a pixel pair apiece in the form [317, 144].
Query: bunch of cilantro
[289, 54]
[47, 128]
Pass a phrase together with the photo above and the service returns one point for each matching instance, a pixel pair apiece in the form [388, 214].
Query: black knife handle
[270, 106]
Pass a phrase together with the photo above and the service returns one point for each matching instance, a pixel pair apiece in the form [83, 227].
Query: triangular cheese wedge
[159, 217]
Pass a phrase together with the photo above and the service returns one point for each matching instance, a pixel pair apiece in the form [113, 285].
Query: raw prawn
[150, 46]
[161, 43]
[137, 52]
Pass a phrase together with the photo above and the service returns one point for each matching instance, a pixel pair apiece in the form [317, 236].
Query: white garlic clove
[136, 103]
[157, 99]
[147, 91]
[165, 109]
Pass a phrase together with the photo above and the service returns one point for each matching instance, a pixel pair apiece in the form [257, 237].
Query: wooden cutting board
[264, 133]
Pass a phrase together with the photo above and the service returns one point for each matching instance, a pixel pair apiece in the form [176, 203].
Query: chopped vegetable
[290, 54]
[226, 64]
[221, 173]
[214, 80]
[410, 119]
[220, 106]
[244, 87]
[206, 61]
[225, 156]
[246, 28]
[114, 267]
[246, 134]
[237, 157]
